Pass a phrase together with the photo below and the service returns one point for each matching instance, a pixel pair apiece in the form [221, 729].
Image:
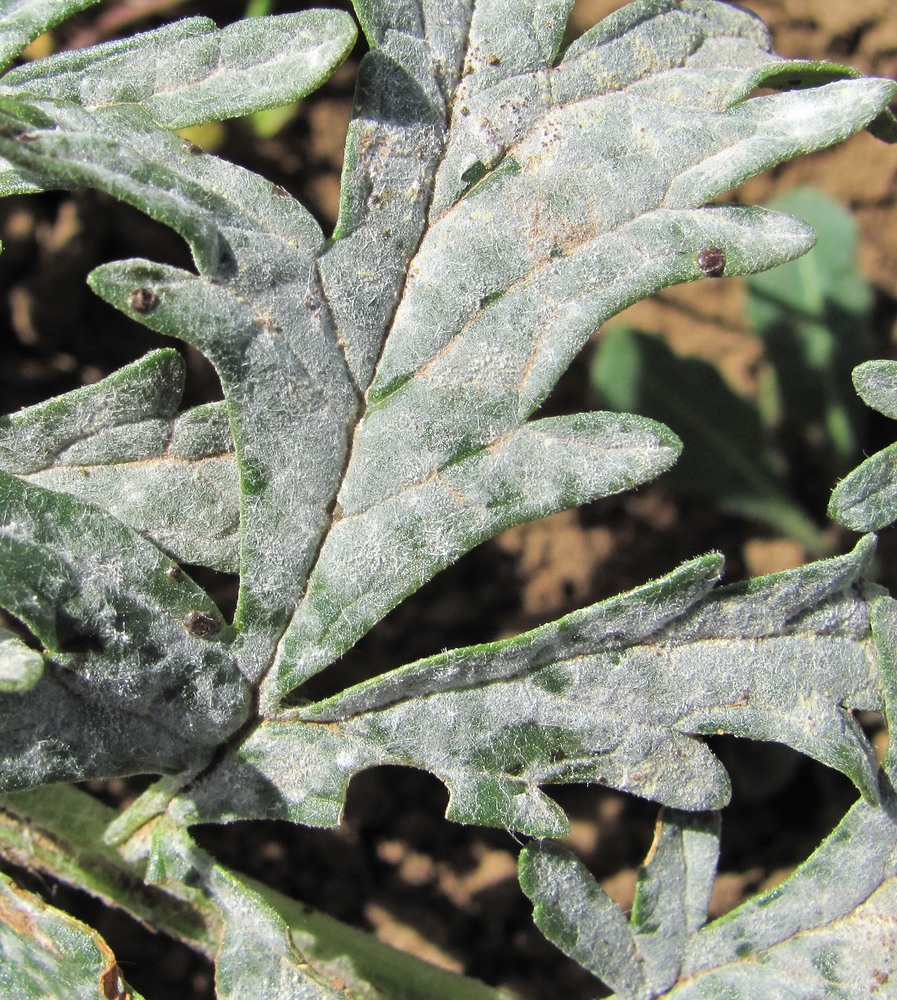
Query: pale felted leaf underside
[866, 500]
[828, 930]
[612, 694]
[121, 445]
[499, 203]
[23, 20]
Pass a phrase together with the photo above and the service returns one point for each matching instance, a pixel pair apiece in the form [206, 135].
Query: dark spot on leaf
[200, 624]
[174, 572]
[112, 984]
[490, 298]
[143, 300]
[712, 262]
[494, 60]
[25, 137]
[191, 147]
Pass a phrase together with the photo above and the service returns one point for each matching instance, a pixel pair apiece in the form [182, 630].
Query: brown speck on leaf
[712, 262]
[493, 60]
[25, 137]
[174, 572]
[200, 624]
[143, 300]
[281, 191]
[112, 984]
[190, 147]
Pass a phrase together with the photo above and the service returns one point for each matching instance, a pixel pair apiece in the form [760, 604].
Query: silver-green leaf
[138, 675]
[613, 694]
[46, 954]
[191, 72]
[866, 500]
[120, 445]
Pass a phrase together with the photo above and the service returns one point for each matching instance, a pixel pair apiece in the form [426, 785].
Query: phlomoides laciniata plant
[501, 198]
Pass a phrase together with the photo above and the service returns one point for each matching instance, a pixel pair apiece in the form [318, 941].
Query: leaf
[827, 930]
[726, 456]
[20, 666]
[280, 366]
[45, 954]
[183, 74]
[547, 218]
[256, 955]
[118, 444]
[138, 674]
[866, 500]
[191, 72]
[612, 694]
[21, 21]
[450, 383]
[59, 831]
[876, 384]
[641, 957]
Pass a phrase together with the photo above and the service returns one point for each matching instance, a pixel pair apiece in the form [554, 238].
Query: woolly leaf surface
[120, 445]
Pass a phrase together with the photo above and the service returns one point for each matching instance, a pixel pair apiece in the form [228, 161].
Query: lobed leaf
[517, 238]
[46, 953]
[613, 694]
[255, 310]
[21, 21]
[190, 72]
[137, 675]
[565, 191]
[256, 954]
[827, 930]
[643, 956]
[866, 499]
[59, 831]
[119, 445]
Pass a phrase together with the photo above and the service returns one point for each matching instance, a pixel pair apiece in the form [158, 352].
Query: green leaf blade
[543, 467]
[827, 928]
[139, 676]
[574, 913]
[605, 695]
[725, 456]
[21, 21]
[546, 219]
[190, 72]
[866, 499]
[119, 445]
[47, 953]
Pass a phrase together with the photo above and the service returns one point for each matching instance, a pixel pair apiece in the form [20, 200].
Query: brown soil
[396, 867]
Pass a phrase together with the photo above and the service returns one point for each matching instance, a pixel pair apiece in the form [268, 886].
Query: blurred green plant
[772, 458]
